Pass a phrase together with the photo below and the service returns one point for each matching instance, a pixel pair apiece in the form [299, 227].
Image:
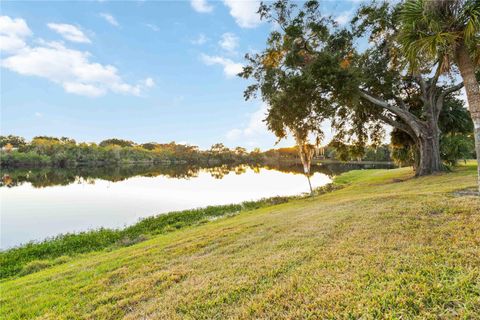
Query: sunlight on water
[30, 213]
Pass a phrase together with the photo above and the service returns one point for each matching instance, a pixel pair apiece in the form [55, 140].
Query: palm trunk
[476, 122]
[467, 70]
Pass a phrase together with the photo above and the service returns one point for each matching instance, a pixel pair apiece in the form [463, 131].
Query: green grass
[386, 245]
[33, 256]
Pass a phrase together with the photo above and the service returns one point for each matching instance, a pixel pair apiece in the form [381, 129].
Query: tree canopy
[312, 70]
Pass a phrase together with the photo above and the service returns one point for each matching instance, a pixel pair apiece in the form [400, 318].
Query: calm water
[36, 204]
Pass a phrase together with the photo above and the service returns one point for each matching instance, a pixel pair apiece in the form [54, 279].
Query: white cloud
[14, 26]
[110, 19]
[254, 127]
[149, 83]
[11, 43]
[256, 124]
[344, 17]
[229, 42]
[201, 39]
[234, 134]
[69, 32]
[13, 33]
[244, 12]
[201, 6]
[230, 68]
[83, 89]
[255, 132]
[38, 114]
[152, 26]
[72, 69]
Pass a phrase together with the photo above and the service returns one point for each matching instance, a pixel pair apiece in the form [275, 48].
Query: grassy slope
[385, 246]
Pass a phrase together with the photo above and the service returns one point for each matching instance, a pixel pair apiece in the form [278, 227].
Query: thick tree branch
[406, 116]
[396, 124]
[451, 89]
[423, 85]
[438, 72]
[401, 103]
[441, 97]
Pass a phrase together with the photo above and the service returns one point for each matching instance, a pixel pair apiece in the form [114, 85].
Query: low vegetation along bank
[34, 256]
[386, 245]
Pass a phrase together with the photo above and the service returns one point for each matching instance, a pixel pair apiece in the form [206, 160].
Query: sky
[139, 70]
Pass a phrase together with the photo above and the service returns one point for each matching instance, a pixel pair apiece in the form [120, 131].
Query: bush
[456, 147]
[31, 158]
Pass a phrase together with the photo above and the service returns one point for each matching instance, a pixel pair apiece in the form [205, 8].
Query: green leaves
[432, 30]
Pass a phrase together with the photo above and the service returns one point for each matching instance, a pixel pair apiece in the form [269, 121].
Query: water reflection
[41, 203]
[46, 177]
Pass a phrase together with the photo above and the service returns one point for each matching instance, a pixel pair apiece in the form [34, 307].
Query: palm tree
[446, 33]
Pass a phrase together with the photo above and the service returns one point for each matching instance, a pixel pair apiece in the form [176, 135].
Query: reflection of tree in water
[330, 169]
[45, 177]
[7, 181]
[38, 177]
[240, 169]
[221, 171]
[218, 172]
[256, 169]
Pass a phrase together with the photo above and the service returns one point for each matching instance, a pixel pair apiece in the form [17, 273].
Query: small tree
[306, 151]
[292, 110]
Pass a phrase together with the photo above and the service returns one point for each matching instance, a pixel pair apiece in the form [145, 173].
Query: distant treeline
[45, 151]
[66, 152]
[331, 152]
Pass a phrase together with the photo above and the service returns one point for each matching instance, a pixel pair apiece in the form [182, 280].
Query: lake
[41, 203]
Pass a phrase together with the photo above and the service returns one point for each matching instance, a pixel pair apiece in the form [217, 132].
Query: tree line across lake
[66, 152]
[45, 151]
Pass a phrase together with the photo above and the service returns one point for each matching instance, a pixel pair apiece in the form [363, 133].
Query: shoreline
[16, 260]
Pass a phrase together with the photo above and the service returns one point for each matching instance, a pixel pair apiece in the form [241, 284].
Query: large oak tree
[309, 59]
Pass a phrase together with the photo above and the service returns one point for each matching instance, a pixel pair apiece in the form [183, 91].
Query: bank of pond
[78, 210]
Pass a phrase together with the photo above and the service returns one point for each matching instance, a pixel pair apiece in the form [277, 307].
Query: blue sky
[144, 71]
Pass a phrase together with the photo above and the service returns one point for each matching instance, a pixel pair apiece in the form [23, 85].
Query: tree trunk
[467, 70]
[476, 122]
[429, 150]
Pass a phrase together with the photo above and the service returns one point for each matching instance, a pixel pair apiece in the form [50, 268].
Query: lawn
[387, 245]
